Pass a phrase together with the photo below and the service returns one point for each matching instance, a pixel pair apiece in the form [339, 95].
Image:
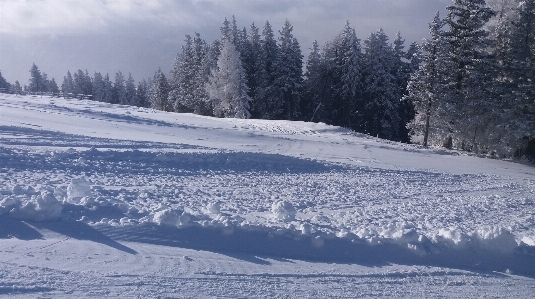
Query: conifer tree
[36, 83]
[67, 87]
[285, 104]
[98, 88]
[159, 92]
[227, 86]
[130, 91]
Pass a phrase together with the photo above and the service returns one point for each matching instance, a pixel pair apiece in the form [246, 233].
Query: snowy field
[100, 200]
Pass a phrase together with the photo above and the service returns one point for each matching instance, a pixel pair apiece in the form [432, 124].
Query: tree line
[469, 86]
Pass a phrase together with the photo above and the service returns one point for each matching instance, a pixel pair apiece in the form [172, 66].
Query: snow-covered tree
[471, 72]
[286, 103]
[379, 115]
[227, 86]
[119, 90]
[426, 89]
[159, 92]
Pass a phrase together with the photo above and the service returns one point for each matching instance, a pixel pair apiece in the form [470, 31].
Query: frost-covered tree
[159, 92]
[471, 72]
[52, 86]
[227, 86]
[426, 89]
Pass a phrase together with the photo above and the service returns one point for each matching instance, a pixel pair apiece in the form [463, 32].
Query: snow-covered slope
[106, 200]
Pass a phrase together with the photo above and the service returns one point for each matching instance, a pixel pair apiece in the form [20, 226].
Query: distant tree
[98, 88]
[17, 89]
[142, 94]
[3, 82]
[159, 92]
[227, 86]
[130, 91]
[52, 86]
[119, 90]
[67, 87]
[36, 83]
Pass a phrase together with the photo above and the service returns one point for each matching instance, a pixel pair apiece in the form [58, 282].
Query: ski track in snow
[104, 200]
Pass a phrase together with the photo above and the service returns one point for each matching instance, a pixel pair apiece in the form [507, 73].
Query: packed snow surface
[100, 200]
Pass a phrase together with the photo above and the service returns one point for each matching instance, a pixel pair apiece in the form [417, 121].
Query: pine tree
[182, 85]
[36, 83]
[347, 72]
[471, 73]
[379, 115]
[99, 88]
[314, 85]
[159, 92]
[130, 91]
[119, 90]
[67, 87]
[251, 64]
[3, 83]
[108, 90]
[53, 86]
[289, 77]
[17, 89]
[266, 93]
[426, 89]
[142, 90]
[227, 86]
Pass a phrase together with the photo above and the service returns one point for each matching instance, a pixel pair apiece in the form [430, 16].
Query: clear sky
[139, 36]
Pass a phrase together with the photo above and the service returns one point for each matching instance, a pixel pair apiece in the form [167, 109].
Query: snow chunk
[283, 211]
[528, 240]
[78, 189]
[172, 217]
[213, 208]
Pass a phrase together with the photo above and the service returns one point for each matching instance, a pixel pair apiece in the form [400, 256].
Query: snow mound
[40, 208]
[283, 211]
[172, 217]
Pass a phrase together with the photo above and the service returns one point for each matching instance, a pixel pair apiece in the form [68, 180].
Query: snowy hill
[104, 200]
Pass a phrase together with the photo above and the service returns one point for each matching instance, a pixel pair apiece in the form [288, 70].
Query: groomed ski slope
[100, 200]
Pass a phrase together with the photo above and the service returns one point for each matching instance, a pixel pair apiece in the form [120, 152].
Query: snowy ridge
[126, 179]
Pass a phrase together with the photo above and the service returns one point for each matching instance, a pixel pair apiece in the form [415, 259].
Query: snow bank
[42, 207]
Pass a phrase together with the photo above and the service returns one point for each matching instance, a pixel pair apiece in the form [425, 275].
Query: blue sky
[138, 37]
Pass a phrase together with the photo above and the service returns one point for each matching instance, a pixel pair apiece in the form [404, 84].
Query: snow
[107, 200]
